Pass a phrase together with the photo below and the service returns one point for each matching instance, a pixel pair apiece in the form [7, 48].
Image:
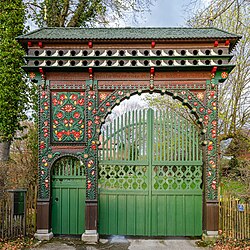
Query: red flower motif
[59, 115]
[55, 122]
[43, 94]
[77, 115]
[214, 122]
[45, 104]
[45, 130]
[80, 102]
[195, 103]
[210, 147]
[42, 146]
[90, 104]
[93, 147]
[89, 185]
[108, 104]
[214, 104]
[59, 135]
[68, 108]
[45, 134]
[54, 101]
[71, 120]
[102, 109]
[73, 97]
[89, 136]
[89, 123]
[80, 122]
[77, 135]
[82, 93]
[46, 123]
[65, 121]
[94, 111]
[206, 117]
[209, 111]
[62, 97]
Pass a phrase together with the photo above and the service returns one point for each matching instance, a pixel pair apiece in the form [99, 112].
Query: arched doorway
[68, 195]
[150, 175]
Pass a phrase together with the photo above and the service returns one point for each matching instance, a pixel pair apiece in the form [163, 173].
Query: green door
[150, 176]
[68, 196]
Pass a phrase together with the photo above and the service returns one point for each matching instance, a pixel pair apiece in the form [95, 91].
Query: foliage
[19, 243]
[22, 168]
[237, 182]
[228, 244]
[83, 13]
[12, 87]
[240, 145]
[167, 103]
[233, 16]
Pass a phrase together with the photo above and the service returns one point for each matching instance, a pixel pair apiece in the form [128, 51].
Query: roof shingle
[126, 33]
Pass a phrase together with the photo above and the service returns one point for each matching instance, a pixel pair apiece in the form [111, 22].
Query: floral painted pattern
[67, 116]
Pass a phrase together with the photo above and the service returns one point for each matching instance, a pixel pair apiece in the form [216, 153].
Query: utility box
[18, 197]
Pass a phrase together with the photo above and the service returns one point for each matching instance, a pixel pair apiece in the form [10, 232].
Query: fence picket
[12, 226]
[233, 222]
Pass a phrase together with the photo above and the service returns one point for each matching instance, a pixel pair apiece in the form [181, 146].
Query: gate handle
[56, 199]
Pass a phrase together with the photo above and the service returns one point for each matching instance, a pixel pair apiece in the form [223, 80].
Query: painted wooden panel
[68, 197]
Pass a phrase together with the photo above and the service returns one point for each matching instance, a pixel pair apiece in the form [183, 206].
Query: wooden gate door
[150, 176]
[68, 196]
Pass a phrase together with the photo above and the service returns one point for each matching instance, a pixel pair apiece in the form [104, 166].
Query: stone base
[44, 236]
[90, 236]
[210, 236]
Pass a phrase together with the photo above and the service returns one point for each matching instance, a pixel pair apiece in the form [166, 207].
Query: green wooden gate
[68, 196]
[150, 176]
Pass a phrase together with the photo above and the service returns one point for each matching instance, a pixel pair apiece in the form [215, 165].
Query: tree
[13, 98]
[83, 13]
[234, 100]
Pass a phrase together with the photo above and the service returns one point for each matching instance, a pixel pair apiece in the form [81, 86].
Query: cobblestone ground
[120, 243]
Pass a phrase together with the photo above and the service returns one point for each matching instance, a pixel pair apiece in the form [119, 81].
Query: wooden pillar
[43, 220]
[211, 204]
[91, 214]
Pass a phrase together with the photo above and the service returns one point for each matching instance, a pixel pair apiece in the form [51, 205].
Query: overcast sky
[166, 13]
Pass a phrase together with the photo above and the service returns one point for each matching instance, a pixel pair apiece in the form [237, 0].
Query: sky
[166, 13]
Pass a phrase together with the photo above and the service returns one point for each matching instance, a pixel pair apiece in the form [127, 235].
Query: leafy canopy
[84, 13]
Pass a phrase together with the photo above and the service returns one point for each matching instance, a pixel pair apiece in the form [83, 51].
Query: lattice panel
[123, 177]
[177, 178]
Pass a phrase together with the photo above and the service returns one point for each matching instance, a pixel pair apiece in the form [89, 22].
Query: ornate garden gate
[81, 74]
[150, 176]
